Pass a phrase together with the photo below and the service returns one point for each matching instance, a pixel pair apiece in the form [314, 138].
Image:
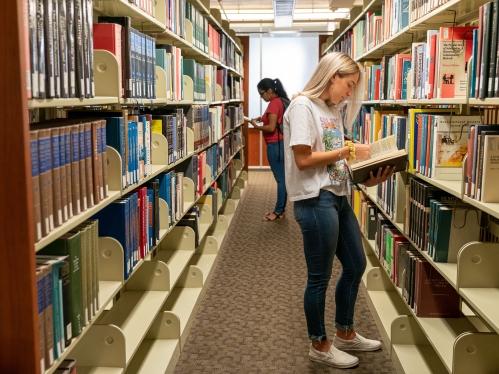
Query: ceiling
[255, 16]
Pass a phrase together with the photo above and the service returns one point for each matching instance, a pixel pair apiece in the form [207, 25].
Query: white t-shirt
[311, 122]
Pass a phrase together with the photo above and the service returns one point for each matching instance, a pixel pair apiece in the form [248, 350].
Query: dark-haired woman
[271, 91]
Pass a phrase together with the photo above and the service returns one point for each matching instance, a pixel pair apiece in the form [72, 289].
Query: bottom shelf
[155, 357]
[85, 370]
[184, 302]
[416, 359]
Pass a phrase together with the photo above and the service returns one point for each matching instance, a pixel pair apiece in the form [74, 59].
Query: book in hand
[384, 153]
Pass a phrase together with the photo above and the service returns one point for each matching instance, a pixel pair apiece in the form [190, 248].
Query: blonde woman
[317, 181]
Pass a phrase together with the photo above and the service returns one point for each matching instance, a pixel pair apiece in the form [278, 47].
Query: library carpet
[251, 318]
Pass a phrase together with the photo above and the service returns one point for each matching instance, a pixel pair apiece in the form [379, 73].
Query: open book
[384, 153]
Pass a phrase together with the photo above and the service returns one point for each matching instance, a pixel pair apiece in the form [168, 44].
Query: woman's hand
[381, 176]
[362, 151]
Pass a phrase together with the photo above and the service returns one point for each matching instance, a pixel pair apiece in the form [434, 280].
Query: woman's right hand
[362, 151]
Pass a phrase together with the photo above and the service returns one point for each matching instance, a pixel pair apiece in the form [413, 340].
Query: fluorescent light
[283, 12]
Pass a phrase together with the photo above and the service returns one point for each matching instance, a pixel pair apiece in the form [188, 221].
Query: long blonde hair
[341, 63]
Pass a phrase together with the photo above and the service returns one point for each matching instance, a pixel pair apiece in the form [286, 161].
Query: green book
[442, 234]
[69, 245]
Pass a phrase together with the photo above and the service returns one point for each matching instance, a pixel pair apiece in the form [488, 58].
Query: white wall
[291, 58]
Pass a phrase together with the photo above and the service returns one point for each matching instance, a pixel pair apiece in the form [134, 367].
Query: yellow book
[157, 125]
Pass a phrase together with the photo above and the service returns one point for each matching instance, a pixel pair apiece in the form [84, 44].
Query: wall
[290, 57]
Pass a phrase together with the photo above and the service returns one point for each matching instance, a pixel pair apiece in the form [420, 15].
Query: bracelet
[339, 156]
[351, 147]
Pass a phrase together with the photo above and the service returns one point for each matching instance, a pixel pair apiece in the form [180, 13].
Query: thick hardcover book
[63, 163]
[33, 49]
[79, 49]
[48, 313]
[107, 36]
[384, 153]
[56, 47]
[49, 48]
[126, 70]
[75, 169]
[63, 48]
[89, 176]
[71, 47]
[436, 297]
[70, 245]
[90, 52]
[41, 316]
[65, 134]
[83, 169]
[56, 177]
[44, 157]
[40, 42]
[35, 181]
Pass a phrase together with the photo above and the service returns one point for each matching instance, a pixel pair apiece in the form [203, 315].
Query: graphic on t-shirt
[333, 139]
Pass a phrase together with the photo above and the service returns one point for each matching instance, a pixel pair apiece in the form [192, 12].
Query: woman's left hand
[381, 176]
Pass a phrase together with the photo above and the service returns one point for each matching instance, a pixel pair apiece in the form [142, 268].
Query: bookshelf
[142, 322]
[433, 345]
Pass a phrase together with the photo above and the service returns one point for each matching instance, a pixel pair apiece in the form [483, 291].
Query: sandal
[278, 216]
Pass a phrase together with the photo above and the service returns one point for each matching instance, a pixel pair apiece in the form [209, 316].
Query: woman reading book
[272, 91]
[317, 182]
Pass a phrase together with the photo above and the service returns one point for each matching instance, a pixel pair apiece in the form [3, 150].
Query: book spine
[56, 177]
[41, 317]
[89, 164]
[49, 48]
[35, 181]
[75, 169]
[84, 276]
[33, 50]
[90, 51]
[96, 160]
[49, 315]
[63, 162]
[63, 49]
[71, 57]
[45, 181]
[56, 47]
[79, 51]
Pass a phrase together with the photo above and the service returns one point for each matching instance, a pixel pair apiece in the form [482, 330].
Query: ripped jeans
[330, 227]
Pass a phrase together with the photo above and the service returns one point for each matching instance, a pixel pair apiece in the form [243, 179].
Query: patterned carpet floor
[251, 318]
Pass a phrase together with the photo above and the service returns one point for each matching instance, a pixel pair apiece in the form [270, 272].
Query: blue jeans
[329, 228]
[276, 162]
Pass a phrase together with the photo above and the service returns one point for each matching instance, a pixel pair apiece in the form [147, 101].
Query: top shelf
[459, 11]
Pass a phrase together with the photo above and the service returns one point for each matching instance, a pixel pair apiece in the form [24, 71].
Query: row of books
[67, 276]
[59, 49]
[69, 170]
[438, 68]
[387, 79]
[373, 123]
[133, 221]
[485, 64]
[130, 135]
[439, 143]
[423, 288]
[135, 52]
[482, 156]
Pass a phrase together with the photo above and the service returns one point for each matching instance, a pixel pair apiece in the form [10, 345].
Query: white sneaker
[359, 343]
[334, 357]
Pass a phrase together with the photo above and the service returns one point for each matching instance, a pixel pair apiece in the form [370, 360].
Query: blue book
[114, 135]
[129, 154]
[150, 217]
[406, 66]
[401, 128]
[404, 19]
[113, 223]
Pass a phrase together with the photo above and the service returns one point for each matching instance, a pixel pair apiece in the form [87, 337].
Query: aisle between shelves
[143, 322]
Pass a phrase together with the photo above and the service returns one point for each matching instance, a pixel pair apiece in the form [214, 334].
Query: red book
[435, 297]
[431, 75]
[455, 49]
[376, 84]
[107, 36]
